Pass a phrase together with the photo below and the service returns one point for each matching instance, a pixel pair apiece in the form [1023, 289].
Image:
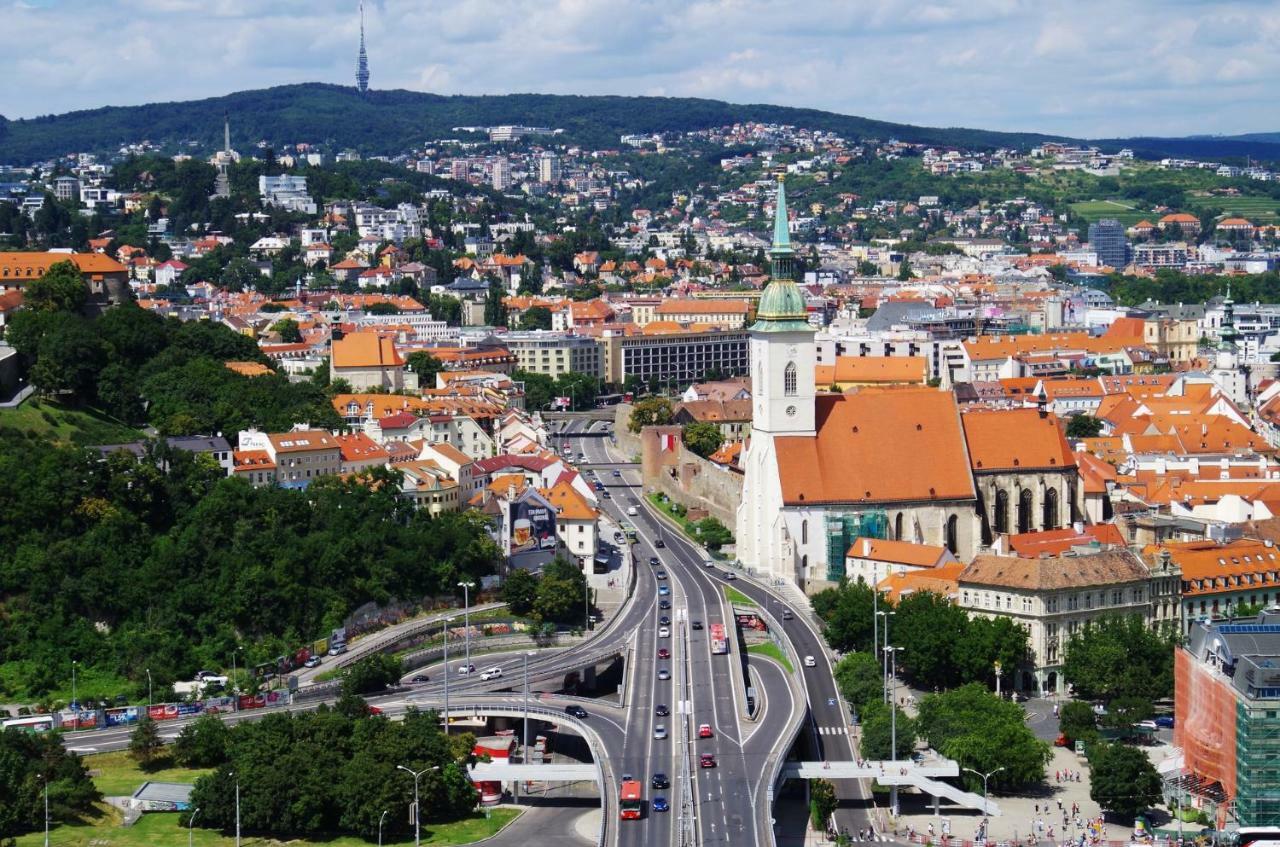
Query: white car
[663, 673]
[660, 733]
[632, 511]
[810, 662]
[466, 669]
[491, 673]
[664, 632]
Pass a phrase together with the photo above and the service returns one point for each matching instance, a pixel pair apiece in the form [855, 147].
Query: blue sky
[1086, 68]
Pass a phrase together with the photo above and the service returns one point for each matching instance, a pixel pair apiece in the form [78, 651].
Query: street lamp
[75, 701]
[445, 632]
[380, 820]
[149, 689]
[191, 826]
[235, 685]
[524, 751]
[45, 777]
[884, 665]
[891, 654]
[466, 616]
[985, 805]
[417, 837]
[237, 779]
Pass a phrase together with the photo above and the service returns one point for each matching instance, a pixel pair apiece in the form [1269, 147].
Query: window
[804, 532]
[789, 380]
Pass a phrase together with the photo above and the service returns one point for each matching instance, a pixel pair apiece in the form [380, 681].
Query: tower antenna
[362, 60]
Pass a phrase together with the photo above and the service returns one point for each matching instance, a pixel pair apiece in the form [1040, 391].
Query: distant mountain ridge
[388, 122]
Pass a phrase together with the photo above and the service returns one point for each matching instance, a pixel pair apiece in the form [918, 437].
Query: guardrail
[777, 756]
[379, 643]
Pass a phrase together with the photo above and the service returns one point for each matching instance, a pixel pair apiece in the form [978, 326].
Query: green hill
[392, 121]
[388, 122]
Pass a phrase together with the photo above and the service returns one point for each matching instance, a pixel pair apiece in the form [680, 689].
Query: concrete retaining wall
[686, 477]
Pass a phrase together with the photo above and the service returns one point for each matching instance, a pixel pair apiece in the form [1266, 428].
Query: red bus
[719, 643]
[630, 801]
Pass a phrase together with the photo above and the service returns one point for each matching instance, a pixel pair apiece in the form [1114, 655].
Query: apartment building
[680, 356]
[299, 457]
[555, 353]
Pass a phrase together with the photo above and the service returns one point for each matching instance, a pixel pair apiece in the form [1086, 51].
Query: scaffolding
[1257, 800]
[843, 529]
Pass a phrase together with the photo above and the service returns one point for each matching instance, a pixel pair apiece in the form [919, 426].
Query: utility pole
[191, 826]
[45, 777]
[417, 817]
[445, 624]
[466, 618]
[986, 807]
[237, 809]
[75, 701]
[380, 820]
[524, 750]
[149, 699]
[893, 718]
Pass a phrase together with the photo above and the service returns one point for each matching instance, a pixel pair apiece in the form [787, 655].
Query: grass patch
[1127, 212]
[162, 830]
[55, 422]
[117, 774]
[768, 648]
[674, 511]
[737, 598]
[1243, 207]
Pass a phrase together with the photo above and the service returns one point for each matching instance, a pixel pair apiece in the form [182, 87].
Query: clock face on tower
[791, 411]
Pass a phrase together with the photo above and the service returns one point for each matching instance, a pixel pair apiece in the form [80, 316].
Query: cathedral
[823, 469]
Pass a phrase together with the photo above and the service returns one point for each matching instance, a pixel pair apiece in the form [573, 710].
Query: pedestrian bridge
[922, 776]
[507, 772]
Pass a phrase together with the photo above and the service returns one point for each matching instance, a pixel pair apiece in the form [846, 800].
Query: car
[696, 625]
[704, 730]
[1165, 721]
[663, 591]
[582, 458]
[810, 662]
[660, 804]
[709, 563]
[632, 511]
[598, 485]
[420, 678]
[659, 544]
[664, 621]
[730, 575]
[664, 653]
[374, 710]
[606, 495]
[707, 760]
[1152, 725]
[664, 632]
[565, 447]
[653, 560]
[491, 673]
[664, 604]
[661, 710]
[659, 780]
[660, 732]
[663, 673]
[313, 662]
[466, 669]
[661, 574]
[575, 711]
[337, 649]
[617, 473]
[626, 777]
[786, 614]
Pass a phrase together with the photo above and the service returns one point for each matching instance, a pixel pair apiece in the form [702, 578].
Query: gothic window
[952, 537]
[1051, 509]
[1024, 510]
[789, 380]
[1002, 511]
[897, 527]
[804, 532]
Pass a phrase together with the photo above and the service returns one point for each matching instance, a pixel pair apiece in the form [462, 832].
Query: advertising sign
[533, 526]
[122, 717]
[163, 711]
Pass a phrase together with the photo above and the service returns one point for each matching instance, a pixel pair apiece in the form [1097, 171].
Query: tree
[535, 317]
[1120, 657]
[860, 678]
[61, 288]
[1123, 780]
[68, 358]
[288, 329]
[904, 270]
[703, 438]
[580, 388]
[240, 274]
[848, 612]
[202, 743]
[539, 389]
[880, 728]
[652, 411]
[713, 534]
[561, 595]
[495, 313]
[1084, 426]
[983, 732]
[145, 743]
[1125, 712]
[371, 674]
[425, 366]
[822, 803]
[519, 591]
[27, 761]
[1077, 722]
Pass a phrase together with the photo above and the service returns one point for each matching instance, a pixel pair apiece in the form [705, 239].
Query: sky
[1088, 68]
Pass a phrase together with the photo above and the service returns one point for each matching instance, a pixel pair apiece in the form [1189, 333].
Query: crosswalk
[831, 730]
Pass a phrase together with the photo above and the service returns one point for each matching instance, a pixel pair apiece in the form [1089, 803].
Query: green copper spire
[781, 224]
[782, 307]
[1228, 335]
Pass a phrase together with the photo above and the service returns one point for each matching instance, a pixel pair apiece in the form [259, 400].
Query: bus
[630, 800]
[719, 643]
[34, 723]
[629, 530]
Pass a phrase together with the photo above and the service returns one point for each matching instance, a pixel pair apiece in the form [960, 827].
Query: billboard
[533, 526]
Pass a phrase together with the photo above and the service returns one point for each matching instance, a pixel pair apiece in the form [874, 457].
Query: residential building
[255, 467]
[286, 191]
[575, 521]
[731, 417]
[725, 314]
[501, 179]
[429, 486]
[871, 560]
[555, 353]
[1218, 578]
[360, 452]
[300, 456]
[368, 360]
[108, 280]
[548, 168]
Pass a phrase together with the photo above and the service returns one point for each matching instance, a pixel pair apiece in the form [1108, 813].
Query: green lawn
[768, 648]
[1255, 209]
[1126, 212]
[56, 422]
[737, 598]
[117, 774]
[162, 830]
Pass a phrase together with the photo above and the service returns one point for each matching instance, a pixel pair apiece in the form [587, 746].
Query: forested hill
[393, 121]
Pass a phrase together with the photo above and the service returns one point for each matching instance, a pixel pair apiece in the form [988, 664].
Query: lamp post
[235, 685]
[149, 700]
[586, 605]
[75, 701]
[999, 670]
[445, 623]
[891, 654]
[884, 669]
[524, 751]
[985, 804]
[237, 779]
[45, 777]
[417, 830]
[380, 820]
[466, 617]
[191, 826]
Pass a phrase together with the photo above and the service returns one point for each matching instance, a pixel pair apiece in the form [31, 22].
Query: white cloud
[1090, 68]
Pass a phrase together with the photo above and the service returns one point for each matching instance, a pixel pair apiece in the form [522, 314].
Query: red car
[707, 760]
[664, 653]
[704, 730]
[374, 710]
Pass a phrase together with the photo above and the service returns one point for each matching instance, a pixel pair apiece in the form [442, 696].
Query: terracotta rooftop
[1006, 439]
[1109, 567]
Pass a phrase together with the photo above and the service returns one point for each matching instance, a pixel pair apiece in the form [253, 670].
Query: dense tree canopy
[1122, 780]
[26, 761]
[983, 732]
[1120, 657]
[703, 438]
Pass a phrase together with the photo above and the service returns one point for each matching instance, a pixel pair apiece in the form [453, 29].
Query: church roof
[877, 446]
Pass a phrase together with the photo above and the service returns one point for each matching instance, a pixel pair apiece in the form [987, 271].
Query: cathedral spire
[782, 307]
[781, 223]
[362, 60]
[1228, 335]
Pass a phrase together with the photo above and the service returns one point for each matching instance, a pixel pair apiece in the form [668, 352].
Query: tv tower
[362, 61]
